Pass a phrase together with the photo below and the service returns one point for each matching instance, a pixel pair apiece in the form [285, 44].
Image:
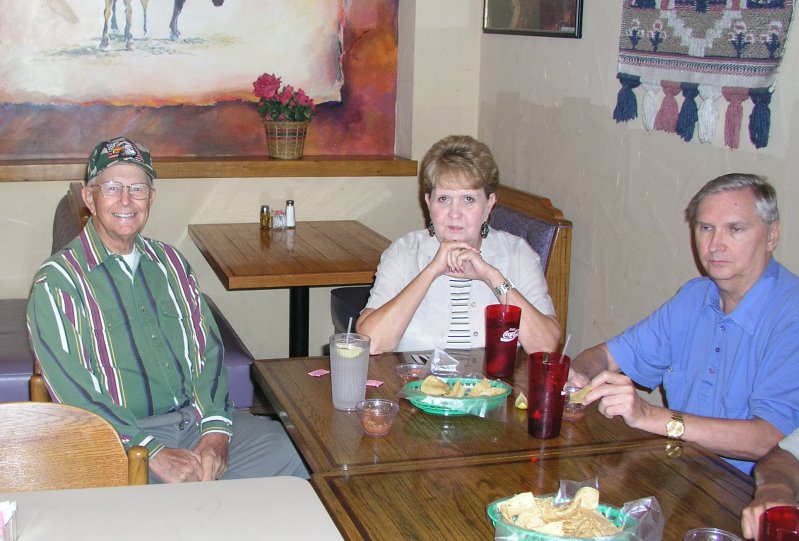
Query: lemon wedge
[521, 401]
[348, 351]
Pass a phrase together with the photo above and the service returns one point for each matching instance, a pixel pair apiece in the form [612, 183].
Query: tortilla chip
[484, 388]
[434, 386]
[587, 497]
[457, 391]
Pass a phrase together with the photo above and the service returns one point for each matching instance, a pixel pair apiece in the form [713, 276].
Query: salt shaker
[290, 220]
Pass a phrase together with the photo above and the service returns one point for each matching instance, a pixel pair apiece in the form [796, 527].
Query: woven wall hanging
[703, 50]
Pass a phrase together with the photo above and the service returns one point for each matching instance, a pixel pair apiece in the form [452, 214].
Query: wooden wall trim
[225, 167]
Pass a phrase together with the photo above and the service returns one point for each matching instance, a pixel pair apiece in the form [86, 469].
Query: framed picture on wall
[553, 18]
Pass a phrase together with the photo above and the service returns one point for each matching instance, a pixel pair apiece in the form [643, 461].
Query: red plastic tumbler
[502, 332]
[780, 524]
[547, 376]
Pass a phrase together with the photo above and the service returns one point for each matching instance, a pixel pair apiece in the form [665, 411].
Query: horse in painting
[174, 33]
[111, 14]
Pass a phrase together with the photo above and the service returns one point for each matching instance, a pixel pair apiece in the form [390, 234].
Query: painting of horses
[178, 74]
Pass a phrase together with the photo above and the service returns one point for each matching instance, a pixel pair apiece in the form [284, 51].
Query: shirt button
[718, 349]
[475, 333]
[723, 327]
[473, 304]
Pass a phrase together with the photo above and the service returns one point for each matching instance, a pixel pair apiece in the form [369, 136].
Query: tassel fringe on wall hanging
[693, 55]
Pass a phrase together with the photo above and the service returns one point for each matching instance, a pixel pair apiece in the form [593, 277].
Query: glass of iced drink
[349, 364]
[502, 333]
[545, 395]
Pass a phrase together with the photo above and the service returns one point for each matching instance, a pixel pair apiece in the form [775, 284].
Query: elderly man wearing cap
[119, 327]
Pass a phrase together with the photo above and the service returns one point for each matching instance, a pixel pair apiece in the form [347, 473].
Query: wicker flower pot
[285, 140]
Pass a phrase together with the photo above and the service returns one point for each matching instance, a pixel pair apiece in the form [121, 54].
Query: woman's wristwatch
[503, 288]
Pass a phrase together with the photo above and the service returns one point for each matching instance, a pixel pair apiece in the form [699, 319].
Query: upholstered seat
[16, 357]
[529, 216]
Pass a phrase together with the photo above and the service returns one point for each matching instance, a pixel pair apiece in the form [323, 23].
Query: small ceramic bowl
[408, 372]
[376, 415]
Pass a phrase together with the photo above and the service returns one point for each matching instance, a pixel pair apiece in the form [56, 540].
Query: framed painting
[553, 18]
[179, 78]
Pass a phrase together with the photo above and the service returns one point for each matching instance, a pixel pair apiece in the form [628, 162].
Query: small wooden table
[333, 440]
[447, 499]
[285, 507]
[325, 253]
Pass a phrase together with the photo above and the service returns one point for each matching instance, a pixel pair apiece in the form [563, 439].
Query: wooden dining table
[330, 439]
[323, 253]
[447, 498]
[432, 476]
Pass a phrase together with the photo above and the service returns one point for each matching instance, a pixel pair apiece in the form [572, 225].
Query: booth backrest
[71, 215]
[543, 226]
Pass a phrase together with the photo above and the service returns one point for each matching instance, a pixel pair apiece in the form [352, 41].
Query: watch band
[503, 288]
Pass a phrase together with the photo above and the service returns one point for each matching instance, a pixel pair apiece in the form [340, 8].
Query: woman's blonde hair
[458, 159]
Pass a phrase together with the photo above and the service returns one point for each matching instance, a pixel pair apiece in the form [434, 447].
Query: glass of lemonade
[349, 364]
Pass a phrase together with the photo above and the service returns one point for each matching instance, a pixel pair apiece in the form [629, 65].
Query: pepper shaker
[266, 217]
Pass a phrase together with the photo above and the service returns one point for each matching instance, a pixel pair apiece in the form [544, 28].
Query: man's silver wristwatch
[503, 288]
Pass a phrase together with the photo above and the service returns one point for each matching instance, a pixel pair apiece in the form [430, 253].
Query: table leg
[298, 321]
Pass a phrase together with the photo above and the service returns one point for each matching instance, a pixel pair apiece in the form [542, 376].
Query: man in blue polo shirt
[725, 348]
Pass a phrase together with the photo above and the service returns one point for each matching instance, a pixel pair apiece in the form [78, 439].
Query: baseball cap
[119, 150]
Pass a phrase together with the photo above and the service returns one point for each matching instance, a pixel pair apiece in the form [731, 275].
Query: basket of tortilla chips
[525, 517]
[456, 396]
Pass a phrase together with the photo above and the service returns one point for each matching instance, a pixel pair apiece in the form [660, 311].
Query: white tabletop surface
[244, 509]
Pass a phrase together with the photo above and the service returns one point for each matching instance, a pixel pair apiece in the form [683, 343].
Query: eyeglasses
[113, 189]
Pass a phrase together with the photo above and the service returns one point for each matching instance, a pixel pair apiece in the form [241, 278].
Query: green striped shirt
[128, 345]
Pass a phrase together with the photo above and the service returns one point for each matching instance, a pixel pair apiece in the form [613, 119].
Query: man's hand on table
[212, 450]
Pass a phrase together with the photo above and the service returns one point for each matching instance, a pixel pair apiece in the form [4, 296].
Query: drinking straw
[565, 345]
[349, 328]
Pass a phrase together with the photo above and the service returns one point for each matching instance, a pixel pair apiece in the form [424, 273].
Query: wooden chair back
[48, 446]
[533, 218]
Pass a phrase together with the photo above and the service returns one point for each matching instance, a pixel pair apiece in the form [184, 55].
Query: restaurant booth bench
[16, 357]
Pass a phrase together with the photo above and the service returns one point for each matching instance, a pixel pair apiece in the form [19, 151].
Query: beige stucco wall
[546, 110]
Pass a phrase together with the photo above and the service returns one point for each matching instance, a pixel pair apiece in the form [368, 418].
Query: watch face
[675, 428]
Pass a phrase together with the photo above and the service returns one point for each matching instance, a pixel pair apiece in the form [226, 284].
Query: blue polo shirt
[731, 366]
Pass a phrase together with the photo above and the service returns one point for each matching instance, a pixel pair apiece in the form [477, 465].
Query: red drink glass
[547, 376]
[780, 524]
[502, 333]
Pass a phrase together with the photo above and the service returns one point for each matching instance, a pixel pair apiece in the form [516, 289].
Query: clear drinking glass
[349, 364]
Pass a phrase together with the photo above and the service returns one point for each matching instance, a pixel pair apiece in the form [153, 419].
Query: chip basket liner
[285, 140]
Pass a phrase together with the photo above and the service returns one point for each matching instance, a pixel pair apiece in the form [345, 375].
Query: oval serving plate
[442, 405]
